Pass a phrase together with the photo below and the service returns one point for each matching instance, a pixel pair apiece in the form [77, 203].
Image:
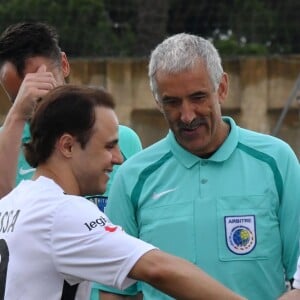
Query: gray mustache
[192, 125]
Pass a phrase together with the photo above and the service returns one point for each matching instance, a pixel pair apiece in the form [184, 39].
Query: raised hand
[33, 87]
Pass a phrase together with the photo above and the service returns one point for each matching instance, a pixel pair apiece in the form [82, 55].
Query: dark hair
[28, 39]
[65, 109]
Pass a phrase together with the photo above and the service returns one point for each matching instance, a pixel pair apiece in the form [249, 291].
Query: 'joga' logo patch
[240, 234]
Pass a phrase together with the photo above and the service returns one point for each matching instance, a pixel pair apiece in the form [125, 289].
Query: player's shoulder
[77, 214]
[129, 141]
[265, 143]
[148, 156]
[75, 205]
[126, 132]
[259, 138]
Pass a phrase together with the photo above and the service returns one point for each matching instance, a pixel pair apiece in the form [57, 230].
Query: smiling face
[92, 164]
[192, 108]
[11, 80]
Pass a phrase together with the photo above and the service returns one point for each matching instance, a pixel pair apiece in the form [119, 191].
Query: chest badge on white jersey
[240, 234]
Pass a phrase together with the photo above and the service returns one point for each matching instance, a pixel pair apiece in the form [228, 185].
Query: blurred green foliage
[125, 28]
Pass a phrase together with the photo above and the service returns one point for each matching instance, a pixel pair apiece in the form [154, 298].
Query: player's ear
[65, 64]
[65, 145]
[223, 88]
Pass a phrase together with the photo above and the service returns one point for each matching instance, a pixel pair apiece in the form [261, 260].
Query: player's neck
[60, 176]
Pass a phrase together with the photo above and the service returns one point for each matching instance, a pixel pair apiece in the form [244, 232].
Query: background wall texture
[260, 88]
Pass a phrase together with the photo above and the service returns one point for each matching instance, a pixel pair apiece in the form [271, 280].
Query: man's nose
[187, 112]
[117, 156]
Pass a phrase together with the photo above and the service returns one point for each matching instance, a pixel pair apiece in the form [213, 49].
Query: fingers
[42, 68]
[33, 87]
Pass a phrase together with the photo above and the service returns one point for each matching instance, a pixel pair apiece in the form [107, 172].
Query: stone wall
[259, 90]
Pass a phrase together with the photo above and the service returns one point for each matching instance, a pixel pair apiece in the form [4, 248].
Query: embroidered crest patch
[240, 234]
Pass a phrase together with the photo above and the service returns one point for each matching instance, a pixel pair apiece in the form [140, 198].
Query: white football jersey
[50, 242]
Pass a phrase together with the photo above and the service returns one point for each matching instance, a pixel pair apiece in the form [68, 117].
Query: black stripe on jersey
[4, 258]
[69, 291]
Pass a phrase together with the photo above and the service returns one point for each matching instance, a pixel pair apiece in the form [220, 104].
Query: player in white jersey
[48, 233]
[52, 239]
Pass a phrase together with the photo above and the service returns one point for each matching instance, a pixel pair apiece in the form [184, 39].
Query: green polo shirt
[24, 170]
[235, 214]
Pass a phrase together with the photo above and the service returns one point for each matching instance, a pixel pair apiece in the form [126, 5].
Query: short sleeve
[87, 246]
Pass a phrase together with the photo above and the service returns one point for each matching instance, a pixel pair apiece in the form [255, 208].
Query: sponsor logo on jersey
[110, 228]
[101, 221]
[240, 233]
[23, 171]
[8, 220]
[156, 196]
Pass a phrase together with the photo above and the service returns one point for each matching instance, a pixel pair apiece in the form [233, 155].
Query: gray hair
[180, 52]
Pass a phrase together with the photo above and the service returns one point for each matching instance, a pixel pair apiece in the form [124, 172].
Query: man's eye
[198, 97]
[170, 101]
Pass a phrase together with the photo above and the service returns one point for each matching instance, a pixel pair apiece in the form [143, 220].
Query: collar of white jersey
[188, 159]
[46, 181]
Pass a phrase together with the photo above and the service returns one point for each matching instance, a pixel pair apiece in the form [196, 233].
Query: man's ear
[65, 64]
[223, 88]
[65, 145]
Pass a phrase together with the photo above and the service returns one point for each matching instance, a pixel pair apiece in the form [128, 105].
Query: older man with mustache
[223, 197]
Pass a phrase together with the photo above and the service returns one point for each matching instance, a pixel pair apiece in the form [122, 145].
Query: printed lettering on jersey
[102, 222]
[240, 234]
[8, 220]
